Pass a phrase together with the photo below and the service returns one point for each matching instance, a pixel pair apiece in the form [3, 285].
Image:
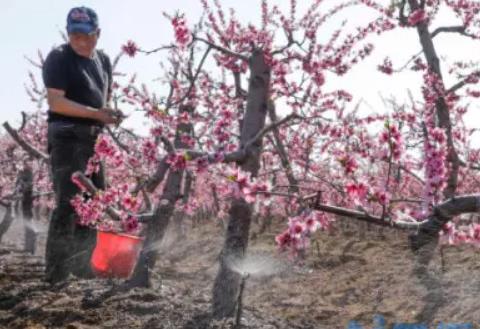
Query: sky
[28, 26]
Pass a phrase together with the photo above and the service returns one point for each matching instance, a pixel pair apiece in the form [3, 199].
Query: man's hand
[109, 115]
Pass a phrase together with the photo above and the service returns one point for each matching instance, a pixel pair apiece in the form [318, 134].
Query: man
[78, 79]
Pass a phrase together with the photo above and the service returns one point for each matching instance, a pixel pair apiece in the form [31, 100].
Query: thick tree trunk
[227, 282]
[158, 223]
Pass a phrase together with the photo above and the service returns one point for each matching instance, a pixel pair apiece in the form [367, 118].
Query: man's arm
[60, 104]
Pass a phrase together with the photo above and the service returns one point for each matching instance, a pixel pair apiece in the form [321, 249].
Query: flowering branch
[90, 187]
[461, 84]
[26, 146]
[113, 213]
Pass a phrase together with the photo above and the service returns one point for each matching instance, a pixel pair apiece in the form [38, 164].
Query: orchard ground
[350, 273]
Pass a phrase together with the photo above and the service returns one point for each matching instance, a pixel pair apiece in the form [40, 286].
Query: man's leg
[58, 247]
[59, 240]
[85, 238]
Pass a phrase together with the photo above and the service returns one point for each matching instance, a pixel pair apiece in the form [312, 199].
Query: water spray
[238, 319]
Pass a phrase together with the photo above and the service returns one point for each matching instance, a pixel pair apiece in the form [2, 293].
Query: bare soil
[351, 273]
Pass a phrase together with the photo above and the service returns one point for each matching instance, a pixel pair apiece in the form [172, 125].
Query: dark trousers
[69, 245]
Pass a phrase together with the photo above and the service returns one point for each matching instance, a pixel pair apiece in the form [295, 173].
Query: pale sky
[26, 26]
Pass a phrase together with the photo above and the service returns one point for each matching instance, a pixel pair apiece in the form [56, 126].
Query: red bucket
[115, 254]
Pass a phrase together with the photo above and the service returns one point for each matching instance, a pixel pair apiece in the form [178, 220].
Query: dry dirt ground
[351, 273]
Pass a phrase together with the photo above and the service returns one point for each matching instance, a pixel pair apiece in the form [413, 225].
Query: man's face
[84, 44]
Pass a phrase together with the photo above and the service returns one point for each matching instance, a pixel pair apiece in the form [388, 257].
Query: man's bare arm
[60, 104]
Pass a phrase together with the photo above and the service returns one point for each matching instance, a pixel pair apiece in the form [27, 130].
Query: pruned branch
[363, 216]
[110, 211]
[92, 189]
[443, 212]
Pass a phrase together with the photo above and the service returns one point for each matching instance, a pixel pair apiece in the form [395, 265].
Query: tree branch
[194, 78]
[270, 127]
[462, 83]
[451, 29]
[151, 184]
[148, 52]
[239, 155]
[222, 49]
[117, 140]
[92, 189]
[26, 146]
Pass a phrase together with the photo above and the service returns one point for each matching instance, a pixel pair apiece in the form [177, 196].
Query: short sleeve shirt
[87, 81]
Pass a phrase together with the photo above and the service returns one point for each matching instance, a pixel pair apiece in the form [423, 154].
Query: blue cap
[82, 20]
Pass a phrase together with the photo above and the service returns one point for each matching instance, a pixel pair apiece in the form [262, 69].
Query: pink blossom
[130, 203]
[349, 163]
[386, 67]
[149, 151]
[130, 48]
[417, 17]
[130, 224]
[183, 35]
[357, 191]
[177, 161]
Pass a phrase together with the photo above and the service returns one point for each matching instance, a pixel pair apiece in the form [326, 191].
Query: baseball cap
[82, 20]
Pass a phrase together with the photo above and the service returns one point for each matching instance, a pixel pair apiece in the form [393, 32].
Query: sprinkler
[238, 319]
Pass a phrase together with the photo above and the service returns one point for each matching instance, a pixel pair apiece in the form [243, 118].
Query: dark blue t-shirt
[86, 81]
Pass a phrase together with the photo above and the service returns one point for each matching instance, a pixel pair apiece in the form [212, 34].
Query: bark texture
[227, 282]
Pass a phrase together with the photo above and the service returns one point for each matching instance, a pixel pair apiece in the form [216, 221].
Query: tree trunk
[227, 282]
[7, 221]
[158, 223]
[180, 215]
[26, 177]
